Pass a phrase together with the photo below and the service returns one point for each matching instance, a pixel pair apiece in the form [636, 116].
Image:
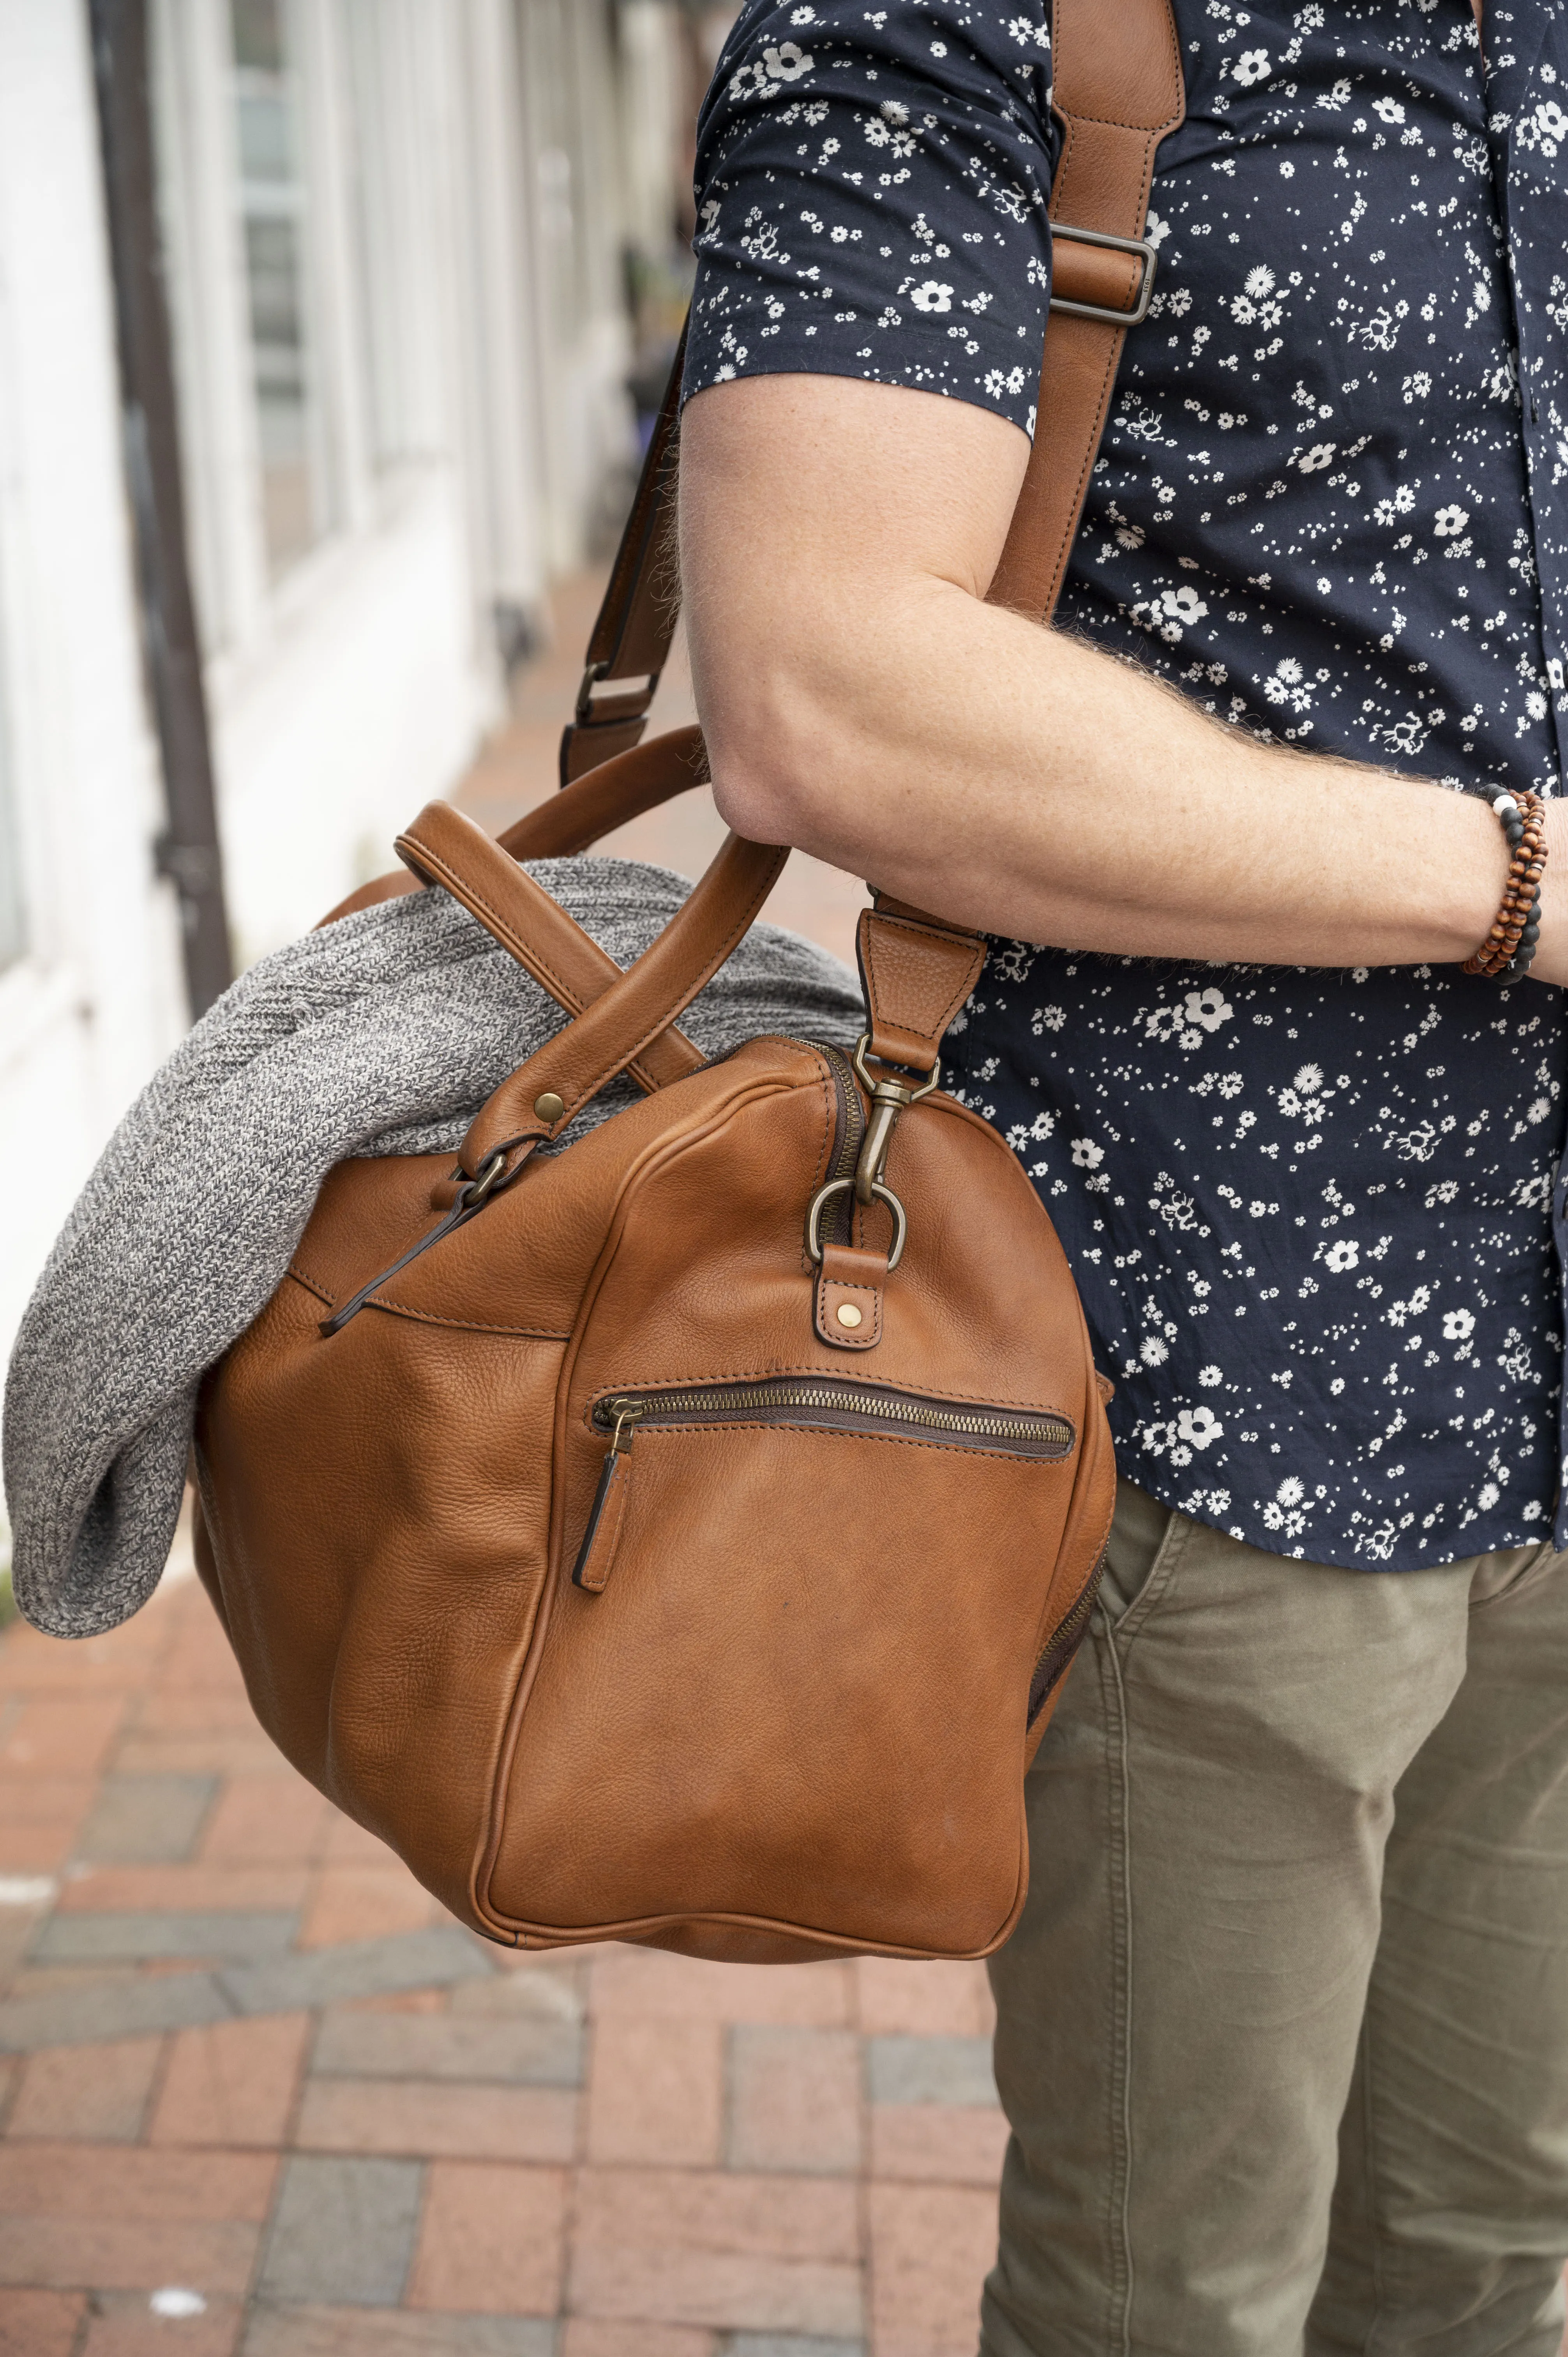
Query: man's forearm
[864, 702]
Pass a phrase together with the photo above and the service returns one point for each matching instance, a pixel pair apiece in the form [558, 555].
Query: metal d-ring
[836, 1187]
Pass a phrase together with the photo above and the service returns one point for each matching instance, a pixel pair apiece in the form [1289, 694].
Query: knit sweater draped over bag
[380, 1034]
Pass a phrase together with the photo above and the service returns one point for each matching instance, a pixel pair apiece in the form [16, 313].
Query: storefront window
[272, 211]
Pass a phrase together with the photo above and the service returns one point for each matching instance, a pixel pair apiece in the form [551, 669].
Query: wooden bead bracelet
[1505, 955]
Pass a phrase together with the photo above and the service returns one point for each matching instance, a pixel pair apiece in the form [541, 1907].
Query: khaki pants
[1283, 2035]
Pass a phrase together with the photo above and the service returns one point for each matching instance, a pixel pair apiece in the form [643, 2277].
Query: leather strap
[615, 1028]
[1116, 68]
[444, 846]
[915, 972]
[1117, 92]
[636, 622]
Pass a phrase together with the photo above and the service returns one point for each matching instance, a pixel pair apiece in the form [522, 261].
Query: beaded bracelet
[1506, 953]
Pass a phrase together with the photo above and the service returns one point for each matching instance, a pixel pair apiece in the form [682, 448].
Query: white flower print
[1342, 409]
[1199, 1426]
[1209, 1008]
[788, 63]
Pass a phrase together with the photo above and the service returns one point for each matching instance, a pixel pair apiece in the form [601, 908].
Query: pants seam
[1119, 2284]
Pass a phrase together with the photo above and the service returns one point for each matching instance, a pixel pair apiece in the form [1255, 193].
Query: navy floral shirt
[1311, 1214]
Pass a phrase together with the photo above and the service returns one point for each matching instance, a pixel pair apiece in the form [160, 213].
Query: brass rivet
[848, 1315]
[549, 1107]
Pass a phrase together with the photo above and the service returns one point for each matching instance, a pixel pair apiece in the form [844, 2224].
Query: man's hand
[863, 702]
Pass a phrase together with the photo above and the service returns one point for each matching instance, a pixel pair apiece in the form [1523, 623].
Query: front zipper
[835, 1404]
[808, 1403]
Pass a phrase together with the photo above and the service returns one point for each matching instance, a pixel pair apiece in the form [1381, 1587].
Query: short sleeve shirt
[1311, 1214]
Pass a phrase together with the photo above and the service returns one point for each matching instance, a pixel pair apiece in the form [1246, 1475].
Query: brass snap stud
[549, 1107]
[847, 1314]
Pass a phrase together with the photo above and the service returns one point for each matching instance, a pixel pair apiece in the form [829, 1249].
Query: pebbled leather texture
[916, 972]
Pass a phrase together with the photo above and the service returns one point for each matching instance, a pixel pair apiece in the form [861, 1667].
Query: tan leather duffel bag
[682, 1537]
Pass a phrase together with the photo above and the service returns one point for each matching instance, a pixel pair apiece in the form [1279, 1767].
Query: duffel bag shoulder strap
[1118, 91]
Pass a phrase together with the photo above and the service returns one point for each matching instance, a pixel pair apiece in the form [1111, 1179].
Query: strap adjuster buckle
[1109, 315]
[586, 710]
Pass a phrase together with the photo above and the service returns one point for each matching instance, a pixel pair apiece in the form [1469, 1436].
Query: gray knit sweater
[381, 1034]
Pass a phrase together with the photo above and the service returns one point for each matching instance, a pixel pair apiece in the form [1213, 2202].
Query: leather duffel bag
[668, 1545]
[679, 1534]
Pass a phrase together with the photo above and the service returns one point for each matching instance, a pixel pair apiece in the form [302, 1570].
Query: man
[1283, 2035]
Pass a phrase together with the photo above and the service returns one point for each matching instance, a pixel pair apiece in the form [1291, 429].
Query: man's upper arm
[871, 189]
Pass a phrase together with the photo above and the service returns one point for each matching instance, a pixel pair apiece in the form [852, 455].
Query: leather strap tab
[444, 846]
[916, 972]
[848, 1311]
[585, 743]
[1118, 91]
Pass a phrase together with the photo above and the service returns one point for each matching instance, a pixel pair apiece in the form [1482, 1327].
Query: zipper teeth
[888, 1406]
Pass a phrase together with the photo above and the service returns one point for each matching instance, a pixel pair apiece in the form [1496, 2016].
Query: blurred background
[329, 332]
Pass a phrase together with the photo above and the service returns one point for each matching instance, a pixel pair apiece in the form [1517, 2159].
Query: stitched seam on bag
[656, 1157]
[464, 1325]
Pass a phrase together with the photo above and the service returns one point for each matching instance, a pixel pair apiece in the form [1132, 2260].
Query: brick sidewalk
[260, 2097]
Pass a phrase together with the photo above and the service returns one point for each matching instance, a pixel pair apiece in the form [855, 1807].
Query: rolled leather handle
[647, 999]
[444, 846]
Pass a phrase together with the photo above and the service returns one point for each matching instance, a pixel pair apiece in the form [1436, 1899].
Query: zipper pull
[595, 1556]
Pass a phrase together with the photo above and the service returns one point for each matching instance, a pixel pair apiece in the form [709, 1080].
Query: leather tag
[849, 1297]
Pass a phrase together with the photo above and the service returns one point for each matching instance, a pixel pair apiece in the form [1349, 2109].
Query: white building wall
[462, 169]
[96, 998]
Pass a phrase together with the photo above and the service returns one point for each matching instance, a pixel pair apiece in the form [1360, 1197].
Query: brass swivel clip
[889, 1096]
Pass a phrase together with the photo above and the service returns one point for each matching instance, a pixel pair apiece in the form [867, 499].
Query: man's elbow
[772, 765]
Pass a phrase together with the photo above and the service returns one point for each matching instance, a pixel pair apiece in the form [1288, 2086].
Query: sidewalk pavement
[260, 2097]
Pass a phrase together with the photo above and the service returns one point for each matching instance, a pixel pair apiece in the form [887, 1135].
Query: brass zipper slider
[595, 1556]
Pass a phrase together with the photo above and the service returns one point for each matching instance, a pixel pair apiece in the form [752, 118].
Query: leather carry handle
[444, 846]
[569, 1070]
